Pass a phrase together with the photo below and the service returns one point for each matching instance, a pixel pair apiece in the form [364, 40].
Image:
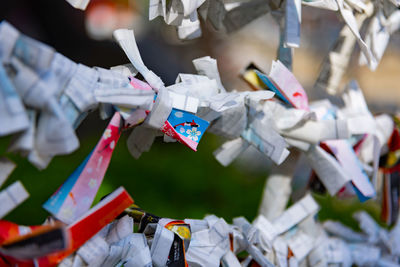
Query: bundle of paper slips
[350, 152]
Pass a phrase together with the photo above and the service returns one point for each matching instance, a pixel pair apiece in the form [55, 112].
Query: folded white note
[6, 168]
[11, 197]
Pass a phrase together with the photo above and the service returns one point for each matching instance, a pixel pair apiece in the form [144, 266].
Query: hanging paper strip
[185, 127]
[76, 195]
[390, 197]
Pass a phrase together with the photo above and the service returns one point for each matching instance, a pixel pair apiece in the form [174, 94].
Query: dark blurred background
[171, 180]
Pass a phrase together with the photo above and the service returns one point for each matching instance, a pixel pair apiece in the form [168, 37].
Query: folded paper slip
[285, 85]
[90, 224]
[6, 168]
[11, 197]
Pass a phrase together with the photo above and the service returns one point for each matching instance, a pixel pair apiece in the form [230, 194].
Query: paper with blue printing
[185, 127]
[285, 85]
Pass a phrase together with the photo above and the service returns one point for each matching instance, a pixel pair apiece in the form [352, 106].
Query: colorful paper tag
[181, 243]
[76, 195]
[134, 116]
[250, 76]
[185, 127]
[285, 85]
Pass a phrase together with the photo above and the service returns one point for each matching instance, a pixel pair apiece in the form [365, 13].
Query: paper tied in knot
[162, 105]
[131, 97]
[126, 39]
[55, 134]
